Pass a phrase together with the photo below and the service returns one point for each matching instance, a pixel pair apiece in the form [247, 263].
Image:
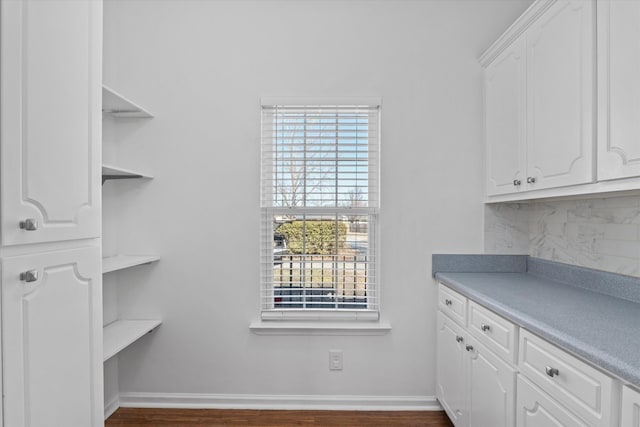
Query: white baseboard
[111, 407]
[284, 402]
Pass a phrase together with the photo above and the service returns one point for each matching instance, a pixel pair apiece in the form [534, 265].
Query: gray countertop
[600, 328]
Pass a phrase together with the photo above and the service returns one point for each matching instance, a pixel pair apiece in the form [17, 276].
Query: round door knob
[485, 327]
[459, 338]
[516, 182]
[448, 302]
[29, 224]
[469, 348]
[531, 179]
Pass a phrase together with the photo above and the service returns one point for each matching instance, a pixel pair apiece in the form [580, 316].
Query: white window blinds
[319, 203]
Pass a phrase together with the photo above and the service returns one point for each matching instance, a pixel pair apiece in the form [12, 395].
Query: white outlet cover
[335, 360]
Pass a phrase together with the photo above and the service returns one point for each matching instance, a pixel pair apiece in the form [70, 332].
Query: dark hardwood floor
[134, 417]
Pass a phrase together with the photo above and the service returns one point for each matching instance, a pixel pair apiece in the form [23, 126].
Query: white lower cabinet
[492, 386]
[577, 385]
[451, 375]
[474, 386]
[492, 373]
[537, 409]
[52, 342]
[630, 416]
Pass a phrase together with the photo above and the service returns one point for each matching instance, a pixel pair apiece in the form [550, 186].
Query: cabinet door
[52, 339]
[560, 95]
[535, 409]
[50, 79]
[450, 368]
[492, 386]
[618, 89]
[504, 121]
[630, 408]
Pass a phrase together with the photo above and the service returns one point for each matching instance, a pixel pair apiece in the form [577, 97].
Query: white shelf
[120, 262]
[118, 106]
[120, 334]
[114, 172]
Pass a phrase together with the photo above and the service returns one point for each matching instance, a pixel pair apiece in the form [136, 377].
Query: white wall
[600, 233]
[201, 68]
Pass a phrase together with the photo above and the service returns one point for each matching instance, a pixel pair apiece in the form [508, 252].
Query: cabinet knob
[516, 182]
[531, 179]
[485, 327]
[29, 276]
[459, 338]
[552, 372]
[29, 224]
[469, 348]
[448, 302]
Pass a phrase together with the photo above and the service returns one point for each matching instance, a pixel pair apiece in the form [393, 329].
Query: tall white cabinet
[540, 99]
[560, 95]
[505, 90]
[618, 89]
[50, 198]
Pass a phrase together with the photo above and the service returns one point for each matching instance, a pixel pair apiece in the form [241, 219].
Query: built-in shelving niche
[119, 334]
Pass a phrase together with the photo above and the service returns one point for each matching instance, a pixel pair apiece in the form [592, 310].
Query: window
[319, 211]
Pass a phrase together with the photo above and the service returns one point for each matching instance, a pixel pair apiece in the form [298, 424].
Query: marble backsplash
[596, 233]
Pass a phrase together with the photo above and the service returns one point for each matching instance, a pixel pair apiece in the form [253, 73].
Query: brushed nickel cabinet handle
[552, 372]
[29, 276]
[29, 224]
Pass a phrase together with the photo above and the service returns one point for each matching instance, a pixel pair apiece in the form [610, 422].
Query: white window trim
[267, 327]
[326, 322]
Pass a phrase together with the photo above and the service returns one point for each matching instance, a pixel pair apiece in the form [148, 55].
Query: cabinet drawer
[535, 408]
[579, 386]
[453, 304]
[496, 332]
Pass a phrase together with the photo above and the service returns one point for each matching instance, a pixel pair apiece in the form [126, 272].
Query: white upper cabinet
[505, 120]
[560, 95]
[51, 120]
[539, 99]
[619, 89]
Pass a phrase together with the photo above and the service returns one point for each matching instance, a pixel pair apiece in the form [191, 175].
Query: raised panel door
[560, 95]
[618, 89]
[450, 367]
[492, 386]
[50, 79]
[52, 339]
[505, 121]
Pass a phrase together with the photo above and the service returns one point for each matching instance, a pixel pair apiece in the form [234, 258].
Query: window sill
[274, 327]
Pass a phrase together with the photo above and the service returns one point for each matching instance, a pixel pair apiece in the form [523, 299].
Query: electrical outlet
[335, 360]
